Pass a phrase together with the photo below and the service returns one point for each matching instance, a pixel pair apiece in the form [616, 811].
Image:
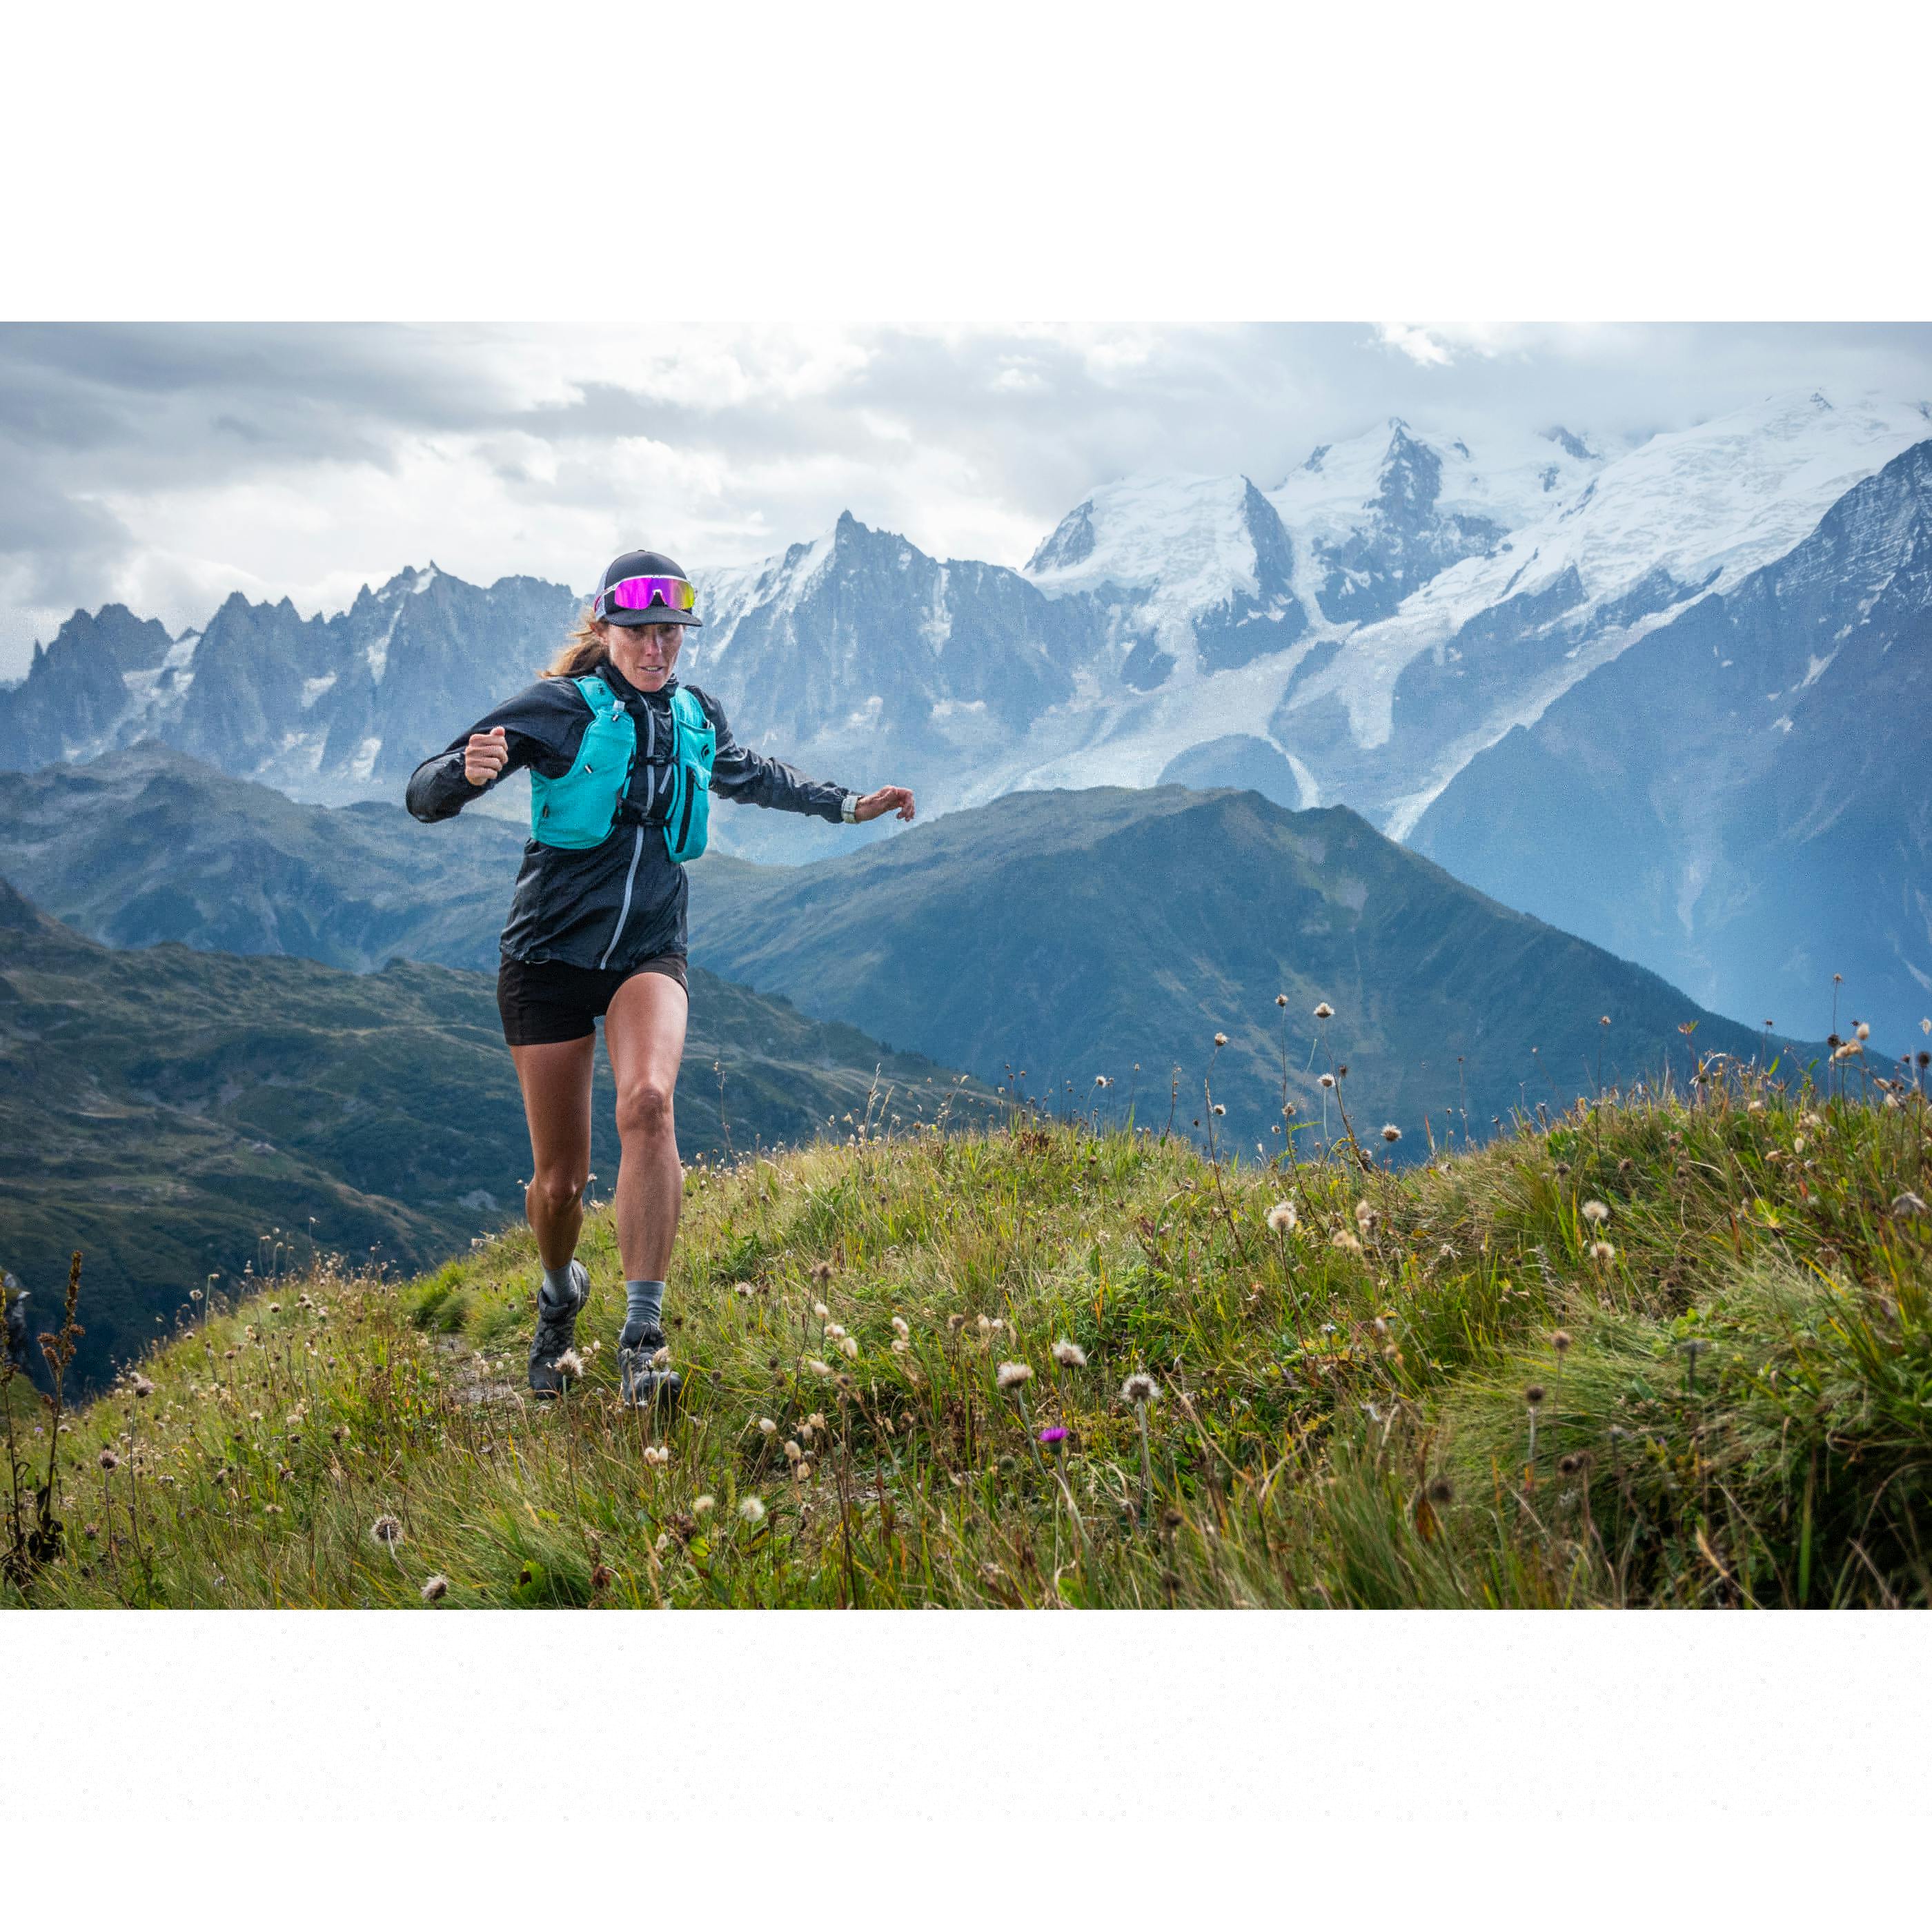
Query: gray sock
[644, 1302]
[558, 1285]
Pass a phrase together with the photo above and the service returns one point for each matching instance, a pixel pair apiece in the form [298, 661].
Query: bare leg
[643, 1033]
[556, 1081]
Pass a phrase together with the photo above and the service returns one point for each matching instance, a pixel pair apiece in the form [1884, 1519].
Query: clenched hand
[485, 755]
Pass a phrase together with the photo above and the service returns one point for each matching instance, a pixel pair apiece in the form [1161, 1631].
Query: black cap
[642, 563]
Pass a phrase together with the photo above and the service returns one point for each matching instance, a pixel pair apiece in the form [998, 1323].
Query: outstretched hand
[887, 798]
[485, 755]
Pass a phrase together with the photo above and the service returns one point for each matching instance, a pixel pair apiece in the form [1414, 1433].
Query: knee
[558, 1187]
[643, 1110]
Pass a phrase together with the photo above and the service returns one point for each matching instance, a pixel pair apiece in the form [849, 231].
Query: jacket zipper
[624, 911]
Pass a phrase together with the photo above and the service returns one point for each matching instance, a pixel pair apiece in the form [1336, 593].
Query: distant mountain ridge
[1071, 934]
[1366, 630]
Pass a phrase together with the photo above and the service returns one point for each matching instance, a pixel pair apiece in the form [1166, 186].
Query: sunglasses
[641, 593]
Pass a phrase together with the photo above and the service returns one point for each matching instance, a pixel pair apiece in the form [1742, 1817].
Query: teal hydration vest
[579, 810]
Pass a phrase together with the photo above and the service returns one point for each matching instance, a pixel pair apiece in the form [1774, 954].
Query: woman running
[622, 758]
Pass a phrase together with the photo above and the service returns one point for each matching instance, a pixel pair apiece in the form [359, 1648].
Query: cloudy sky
[165, 465]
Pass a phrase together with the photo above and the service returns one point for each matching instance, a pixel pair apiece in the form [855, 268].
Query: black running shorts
[549, 1002]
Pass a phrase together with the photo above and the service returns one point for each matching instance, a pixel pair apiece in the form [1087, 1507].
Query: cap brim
[658, 613]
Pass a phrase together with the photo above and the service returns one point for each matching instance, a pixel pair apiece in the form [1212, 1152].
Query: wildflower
[1069, 1355]
[766, 1426]
[751, 1510]
[1281, 999]
[743, 1290]
[1561, 1340]
[1326, 1080]
[850, 1345]
[1220, 1039]
[1595, 1212]
[435, 1588]
[661, 1359]
[1863, 1031]
[832, 1329]
[386, 1531]
[821, 1272]
[1365, 1216]
[657, 1458]
[1140, 1388]
[1101, 1080]
[1013, 1374]
[1219, 1109]
[1342, 1238]
[570, 1363]
[108, 1460]
[801, 1472]
[703, 1504]
[1534, 1393]
[1602, 1251]
[142, 1388]
[793, 1452]
[819, 1309]
[1798, 1145]
[817, 1367]
[1324, 1011]
[1391, 1133]
[899, 1327]
[1442, 1491]
[1052, 1438]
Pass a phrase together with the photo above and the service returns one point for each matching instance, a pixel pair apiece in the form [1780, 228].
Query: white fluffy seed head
[1013, 1374]
[751, 1510]
[1391, 1133]
[1069, 1355]
[1595, 1212]
[1139, 1388]
[899, 1327]
[1326, 1080]
[435, 1588]
[1281, 1217]
[1324, 1011]
[766, 1426]
[1602, 1251]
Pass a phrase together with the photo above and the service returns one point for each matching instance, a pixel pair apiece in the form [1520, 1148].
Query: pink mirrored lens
[640, 593]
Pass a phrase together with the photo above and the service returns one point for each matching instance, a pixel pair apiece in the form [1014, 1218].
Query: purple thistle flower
[1052, 1438]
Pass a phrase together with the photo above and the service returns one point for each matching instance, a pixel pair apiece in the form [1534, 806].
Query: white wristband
[848, 809]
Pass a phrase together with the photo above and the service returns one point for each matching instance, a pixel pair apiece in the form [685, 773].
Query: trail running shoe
[642, 1379]
[556, 1331]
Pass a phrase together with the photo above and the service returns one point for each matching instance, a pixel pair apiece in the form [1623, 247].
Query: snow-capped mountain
[1362, 630]
[325, 708]
[1741, 799]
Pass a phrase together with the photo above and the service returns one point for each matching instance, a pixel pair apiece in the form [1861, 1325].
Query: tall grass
[1733, 1366]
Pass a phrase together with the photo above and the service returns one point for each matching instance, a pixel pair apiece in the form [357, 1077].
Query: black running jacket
[612, 904]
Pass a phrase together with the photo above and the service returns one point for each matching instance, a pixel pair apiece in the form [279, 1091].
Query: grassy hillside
[179, 1115]
[1076, 934]
[1459, 1385]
